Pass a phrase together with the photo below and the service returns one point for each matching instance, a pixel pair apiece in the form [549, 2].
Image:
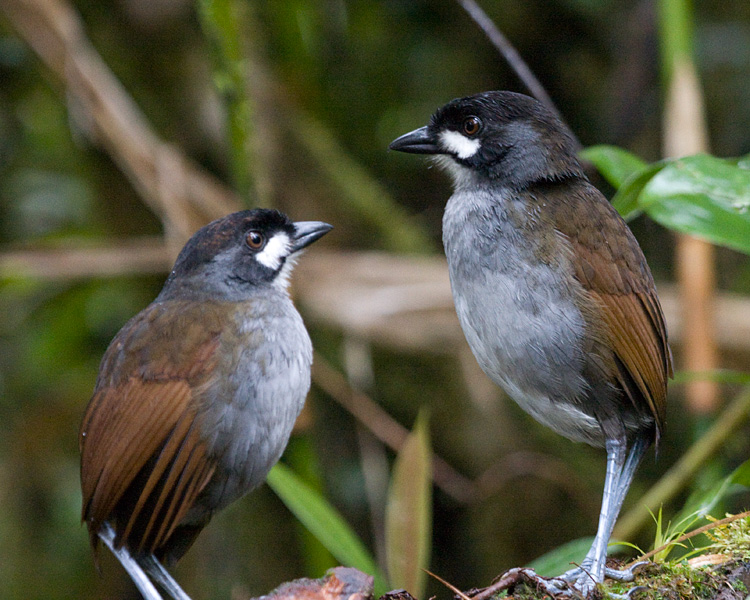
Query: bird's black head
[502, 136]
[241, 251]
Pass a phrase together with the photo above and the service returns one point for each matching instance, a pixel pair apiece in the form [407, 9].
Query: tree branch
[173, 186]
[512, 57]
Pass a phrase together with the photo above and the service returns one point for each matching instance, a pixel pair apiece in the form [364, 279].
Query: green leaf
[626, 172]
[615, 164]
[703, 502]
[626, 200]
[324, 522]
[741, 475]
[703, 196]
[562, 558]
[572, 553]
[408, 527]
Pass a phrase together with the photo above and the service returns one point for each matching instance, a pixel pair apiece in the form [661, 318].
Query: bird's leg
[162, 577]
[637, 450]
[612, 499]
[584, 578]
[621, 466]
[136, 572]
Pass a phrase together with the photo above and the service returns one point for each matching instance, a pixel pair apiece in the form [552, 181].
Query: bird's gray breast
[266, 359]
[515, 298]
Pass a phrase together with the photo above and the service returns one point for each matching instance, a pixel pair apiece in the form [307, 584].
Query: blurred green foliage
[363, 71]
[700, 195]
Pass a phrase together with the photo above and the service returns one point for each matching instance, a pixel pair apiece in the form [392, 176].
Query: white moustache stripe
[458, 144]
[275, 251]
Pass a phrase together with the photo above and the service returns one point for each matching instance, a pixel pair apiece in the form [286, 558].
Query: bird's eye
[255, 240]
[472, 125]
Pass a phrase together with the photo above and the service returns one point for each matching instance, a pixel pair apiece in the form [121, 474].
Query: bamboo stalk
[684, 134]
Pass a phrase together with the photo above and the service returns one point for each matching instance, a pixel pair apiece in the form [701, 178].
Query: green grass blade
[409, 512]
[324, 522]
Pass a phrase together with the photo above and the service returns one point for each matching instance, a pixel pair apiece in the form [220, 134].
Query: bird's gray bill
[306, 232]
[419, 141]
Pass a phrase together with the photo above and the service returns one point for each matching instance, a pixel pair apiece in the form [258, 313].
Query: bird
[551, 288]
[197, 394]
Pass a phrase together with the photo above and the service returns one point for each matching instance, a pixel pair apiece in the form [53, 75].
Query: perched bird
[197, 394]
[551, 288]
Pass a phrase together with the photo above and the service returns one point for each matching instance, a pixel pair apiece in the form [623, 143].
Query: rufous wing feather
[638, 342]
[143, 463]
[611, 267]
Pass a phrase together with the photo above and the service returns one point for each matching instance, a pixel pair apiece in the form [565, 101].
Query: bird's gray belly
[521, 322]
[249, 427]
[525, 339]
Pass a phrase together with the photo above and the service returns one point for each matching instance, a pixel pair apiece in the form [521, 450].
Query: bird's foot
[625, 575]
[555, 587]
[580, 582]
[576, 584]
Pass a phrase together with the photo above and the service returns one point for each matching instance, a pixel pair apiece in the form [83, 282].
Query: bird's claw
[624, 575]
[629, 595]
[564, 588]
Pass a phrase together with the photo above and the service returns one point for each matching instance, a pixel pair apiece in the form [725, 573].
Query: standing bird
[551, 288]
[197, 394]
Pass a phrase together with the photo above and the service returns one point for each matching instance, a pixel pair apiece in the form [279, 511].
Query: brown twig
[386, 428]
[421, 319]
[135, 256]
[691, 534]
[511, 55]
[505, 581]
[176, 189]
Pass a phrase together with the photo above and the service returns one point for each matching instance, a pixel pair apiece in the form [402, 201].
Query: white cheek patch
[277, 248]
[282, 277]
[459, 144]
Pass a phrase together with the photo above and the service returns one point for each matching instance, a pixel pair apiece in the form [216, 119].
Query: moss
[675, 581]
[665, 581]
[731, 539]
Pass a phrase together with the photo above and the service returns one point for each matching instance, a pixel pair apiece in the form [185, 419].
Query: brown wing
[614, 272]
[143, 463]
[636, 325]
